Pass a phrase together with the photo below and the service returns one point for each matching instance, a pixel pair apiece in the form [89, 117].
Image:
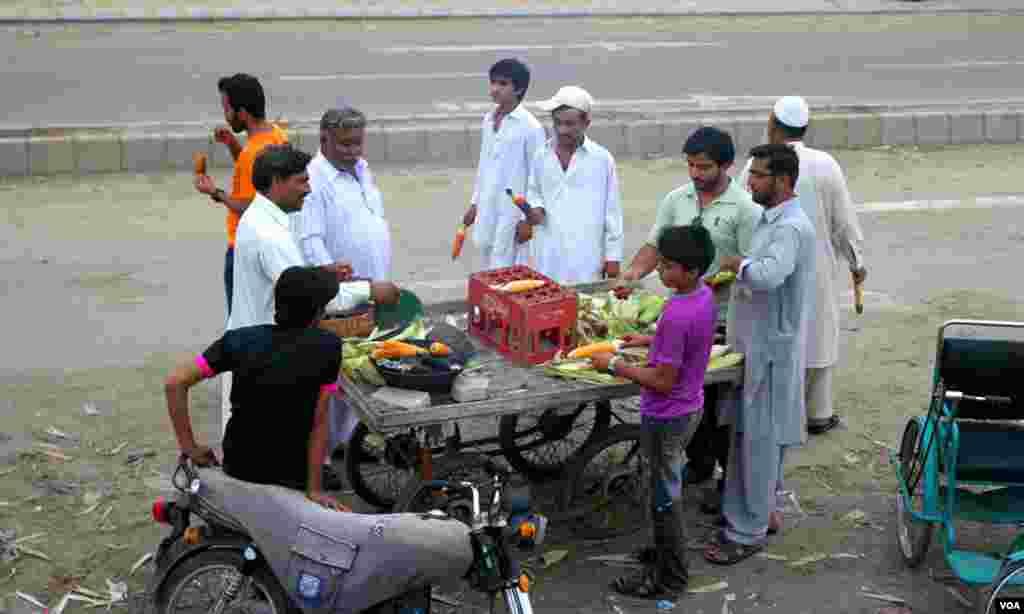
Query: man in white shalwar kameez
[342, 221]
[574, 192]
[825, 199]
[509, 137]
[774, 300]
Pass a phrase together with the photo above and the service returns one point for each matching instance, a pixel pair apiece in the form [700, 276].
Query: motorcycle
[239, 547]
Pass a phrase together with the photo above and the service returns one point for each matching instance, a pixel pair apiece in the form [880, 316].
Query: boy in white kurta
[508, 139]
[575, 198]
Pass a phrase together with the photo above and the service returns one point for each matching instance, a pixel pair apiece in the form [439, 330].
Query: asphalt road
[136, 73]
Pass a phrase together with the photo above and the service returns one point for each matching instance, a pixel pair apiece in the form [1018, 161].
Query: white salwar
[583, 206]
[825, 199]
[505, 156]
[264, 248]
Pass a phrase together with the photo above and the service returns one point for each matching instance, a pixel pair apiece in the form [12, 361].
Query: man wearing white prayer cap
[825, 199]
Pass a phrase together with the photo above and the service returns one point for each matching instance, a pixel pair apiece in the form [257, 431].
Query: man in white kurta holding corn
[509, 137]
[825, 199]
[575, 198]
[343, 221]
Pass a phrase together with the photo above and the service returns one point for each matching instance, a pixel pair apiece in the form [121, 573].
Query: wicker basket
[345, 326]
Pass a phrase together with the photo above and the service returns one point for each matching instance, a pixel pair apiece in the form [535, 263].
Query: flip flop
[729, 552]
[824, 426]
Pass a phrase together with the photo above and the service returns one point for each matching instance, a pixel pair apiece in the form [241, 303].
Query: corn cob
[521, 285]
[586, 351]
[460, 238]
[199, 163]
[725, 361]
[404, 350]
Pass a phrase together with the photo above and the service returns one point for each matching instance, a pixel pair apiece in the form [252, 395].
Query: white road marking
[695, 101]
[385, 76]
[947, 65]
[611, 46]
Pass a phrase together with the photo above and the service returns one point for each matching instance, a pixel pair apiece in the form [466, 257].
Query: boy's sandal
[730, 552]
[823, 426]
[641, 586]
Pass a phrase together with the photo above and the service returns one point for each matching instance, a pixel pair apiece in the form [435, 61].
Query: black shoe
[824, 426]
[338, 455]
[330, 480]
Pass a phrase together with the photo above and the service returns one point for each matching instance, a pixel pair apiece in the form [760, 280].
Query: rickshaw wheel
[1009, 585]
[556, 438]
[913, 536]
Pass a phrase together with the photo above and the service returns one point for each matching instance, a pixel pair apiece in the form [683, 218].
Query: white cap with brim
[792, 111]
[568, 96]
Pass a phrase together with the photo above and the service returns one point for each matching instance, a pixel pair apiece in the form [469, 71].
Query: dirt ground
[107, 280]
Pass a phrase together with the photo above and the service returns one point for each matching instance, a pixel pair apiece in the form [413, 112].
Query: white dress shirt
[342, 220]
[264, 248]
[505, 157]
[583, 228]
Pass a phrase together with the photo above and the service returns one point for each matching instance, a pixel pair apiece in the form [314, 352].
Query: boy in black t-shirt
[283, 375]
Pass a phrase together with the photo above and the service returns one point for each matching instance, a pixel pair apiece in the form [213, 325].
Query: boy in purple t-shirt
[672, 401]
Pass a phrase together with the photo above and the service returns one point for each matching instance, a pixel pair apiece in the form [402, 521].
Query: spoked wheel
[541, 446]
[456, 467]
[607, 490]
[914, 536]
[379, 469]
[196, 586]
[1008, 588]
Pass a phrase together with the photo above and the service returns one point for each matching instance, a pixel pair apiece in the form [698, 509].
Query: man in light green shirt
[729, 213]
[712, 199]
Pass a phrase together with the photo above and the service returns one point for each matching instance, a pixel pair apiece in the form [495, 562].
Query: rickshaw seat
[984, 367]
[990, 452]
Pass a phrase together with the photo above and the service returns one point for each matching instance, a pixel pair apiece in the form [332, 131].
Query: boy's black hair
[689, 246]
[790, 132]
[301, 294]
[277, 162]
[513, 70]
[716, 144]
[244, 93]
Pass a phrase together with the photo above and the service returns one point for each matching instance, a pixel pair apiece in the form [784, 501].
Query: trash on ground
[771, 557]
[89, 409]
[8, 551]
[552, 557]
[665, 604]
[882, 597]
[900, 610]
[139, 563]
[30, 599]
[64, 584]
[8, 471]
[855, 518]
[709, 588]
[725, 603]
[846, 555]
[964, 601]
[447, 600]
[136, 456]
[54, 433]
[809, 559]
[56, 487]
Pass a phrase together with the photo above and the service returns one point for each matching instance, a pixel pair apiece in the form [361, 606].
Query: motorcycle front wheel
[198, 583]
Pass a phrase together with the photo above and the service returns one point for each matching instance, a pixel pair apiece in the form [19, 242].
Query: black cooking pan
[428, 374]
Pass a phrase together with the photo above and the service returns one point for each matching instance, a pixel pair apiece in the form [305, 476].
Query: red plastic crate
[527, 327]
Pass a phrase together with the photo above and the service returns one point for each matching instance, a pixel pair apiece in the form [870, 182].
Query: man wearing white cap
[574, 195]
[826, 201]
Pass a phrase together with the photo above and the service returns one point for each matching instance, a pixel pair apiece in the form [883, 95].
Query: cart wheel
[914, 536]
[1009, 586]
[415, 498]
[607, 489]
[378, 474]
[555, 438]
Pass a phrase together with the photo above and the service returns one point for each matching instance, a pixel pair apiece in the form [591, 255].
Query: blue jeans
[666, 443]
[229, 275]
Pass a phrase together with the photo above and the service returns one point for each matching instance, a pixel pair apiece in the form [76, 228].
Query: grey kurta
[774, 300]
[774, 304]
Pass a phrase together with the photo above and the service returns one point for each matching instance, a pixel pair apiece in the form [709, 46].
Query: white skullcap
[568, 96]
[792, 111]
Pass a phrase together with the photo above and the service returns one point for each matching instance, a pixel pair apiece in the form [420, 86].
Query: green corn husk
[730, 359]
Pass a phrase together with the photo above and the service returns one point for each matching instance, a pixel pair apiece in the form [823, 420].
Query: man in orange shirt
[245, 106]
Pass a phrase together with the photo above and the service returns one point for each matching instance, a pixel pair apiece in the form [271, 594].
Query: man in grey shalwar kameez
[774, 303]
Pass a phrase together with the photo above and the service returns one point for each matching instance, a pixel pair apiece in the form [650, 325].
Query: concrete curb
[456, 143]
[266, 13]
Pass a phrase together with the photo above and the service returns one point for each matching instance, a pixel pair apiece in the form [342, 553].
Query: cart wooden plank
[513, 389]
